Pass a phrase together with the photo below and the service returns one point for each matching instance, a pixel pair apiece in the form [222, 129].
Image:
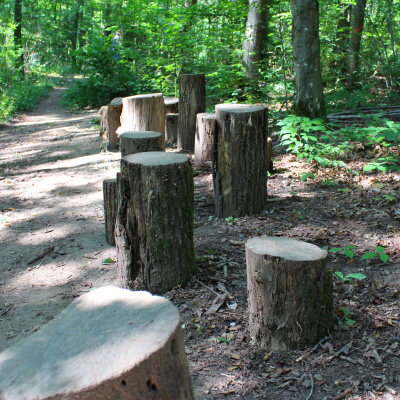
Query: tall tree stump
[171, 127]
[110, 208]
[140, 142]
[144, 112]
[290, 293]
[108, 344]
[114, 110]
[270, 165]
[192, 101]
[171, 105]
[240, 159]
[204, 138]
[154, 230]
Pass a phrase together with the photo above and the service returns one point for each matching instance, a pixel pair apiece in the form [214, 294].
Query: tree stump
[110, 208]
[204, 138]
[144, 112]
[171, 127]
[140, 142]
[192, 101]
[240, 159]
[290, 293]
[108, 344]
[171, 105]
[154, 231]
[114, 111]
[103, 122]
[270, 165]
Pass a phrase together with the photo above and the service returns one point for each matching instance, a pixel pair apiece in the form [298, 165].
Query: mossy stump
[240, 159]
[290, 293]
[140, 142]
[204, 138]
[154, 230]
[110, 208]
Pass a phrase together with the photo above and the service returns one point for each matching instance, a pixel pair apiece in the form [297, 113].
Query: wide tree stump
[192, 101]
[205, 127]
[240, 159]
[114, 110]
[154, 231]
[171, 127]
[144, 112]
[108, 344]
[140, 142]
[171, 105]
[290, 293]
[110, 194]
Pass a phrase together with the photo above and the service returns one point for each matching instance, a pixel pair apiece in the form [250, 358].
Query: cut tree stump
[144, 112]
[270, 165]
[205, 127]
[154, 230]
[140, 142]
[110, 208]
[171, 105]
[108, 344]
[171, 127]
[240, 159]
[192, 101]
[290, 293]
[114, 110]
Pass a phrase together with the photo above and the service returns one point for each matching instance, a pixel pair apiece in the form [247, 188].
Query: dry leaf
[235, 356]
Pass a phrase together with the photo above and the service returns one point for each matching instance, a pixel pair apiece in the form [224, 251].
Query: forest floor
[53, 246]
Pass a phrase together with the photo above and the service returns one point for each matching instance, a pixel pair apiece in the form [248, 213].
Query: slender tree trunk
[394, 70]
[75, 31]
[342, 39]
[19, 62]
[355, 41]
[254, 34]
[309, 95]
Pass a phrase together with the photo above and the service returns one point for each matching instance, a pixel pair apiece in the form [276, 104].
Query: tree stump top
[140, 135]
[207, 115]
[239, 108]
[139, 96]
[286, 248]
[153, 158]
[170, 100]
[101, 335]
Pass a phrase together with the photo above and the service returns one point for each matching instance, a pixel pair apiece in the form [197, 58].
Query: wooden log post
[144, 112]
[171, 128]
[290, 293]
[240, 159]
[171, 105]
[114, 110]
[270, 165]
[110, 194]
[154, 230]
[192, 101]
[204, 138]
[140, 142]
[109, 344]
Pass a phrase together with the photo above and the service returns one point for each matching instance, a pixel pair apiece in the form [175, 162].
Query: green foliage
[346, 318]
[306, 175]
[348, 252]
[349, 277]
[231, 220]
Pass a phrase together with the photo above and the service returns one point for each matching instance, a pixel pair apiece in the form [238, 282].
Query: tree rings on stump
[290, 293]
[140, 142]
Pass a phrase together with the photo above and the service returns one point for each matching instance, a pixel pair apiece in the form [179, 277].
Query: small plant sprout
[380, 251]
[292, 192]
[328, 182]
[346, 318]
[347, 251]
[306, 175]
[349, 277]
[231, 220]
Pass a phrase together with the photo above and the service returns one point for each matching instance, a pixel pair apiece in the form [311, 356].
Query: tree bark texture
[270, 166]
[108, 344]
[308, 96]
[205, 127]
[140, 142]
[255, 29]
[290, 293]
[192, 101]
[114, 111]
[355, 41]
[240, 159]
[19, 61]
[171, 105]
[144, 112]
[110, 194]
[154, 232]
[171, 127]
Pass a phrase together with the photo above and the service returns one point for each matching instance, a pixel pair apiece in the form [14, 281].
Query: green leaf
[356, 275]
[339, 274]
[349, 253]
[384, 258]
[380, 249]
[335, 249]
[367, 256]
[346, 312]
[221, 339]
[108, 261]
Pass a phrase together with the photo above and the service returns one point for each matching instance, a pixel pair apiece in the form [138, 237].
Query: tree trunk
[171, 128]
[290, 293]
[144, 112]
[240, 159]
[192, 101]
[254, 34]
[171, 105]
[114, 111]
[308, 97]
[355, 41]
[108, 344]
[110, 208]
[154, 232]
[204, 138]
[19, 61]
[140, 142]
[75, 31]
[342, 39]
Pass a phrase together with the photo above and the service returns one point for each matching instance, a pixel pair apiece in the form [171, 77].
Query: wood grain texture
[110, 199]
[205, 127]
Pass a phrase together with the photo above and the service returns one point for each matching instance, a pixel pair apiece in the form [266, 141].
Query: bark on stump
[240, 159]
[171, 127]
[114, 111]
[192, 101]
[270, 165]
[154, 231]
[108, 344]
[171, 105]
[110, 208]
[140, 142]
[204, 138]
[144, 112]
[290, 293]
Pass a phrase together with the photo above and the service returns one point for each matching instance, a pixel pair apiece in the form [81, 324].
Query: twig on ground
[343, 395]
[210, 289]
[324, 339]
[312, 388]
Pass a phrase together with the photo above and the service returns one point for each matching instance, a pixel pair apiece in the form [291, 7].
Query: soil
[52, 165]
